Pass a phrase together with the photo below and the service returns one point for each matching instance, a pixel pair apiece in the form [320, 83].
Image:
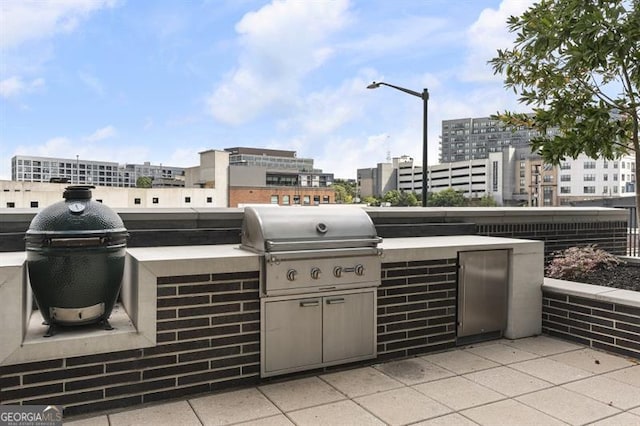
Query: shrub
[577, 262]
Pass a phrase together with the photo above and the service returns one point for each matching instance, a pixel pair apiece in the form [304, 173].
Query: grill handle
[321, 244]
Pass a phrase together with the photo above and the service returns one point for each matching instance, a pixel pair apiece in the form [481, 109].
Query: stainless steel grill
[319, 274]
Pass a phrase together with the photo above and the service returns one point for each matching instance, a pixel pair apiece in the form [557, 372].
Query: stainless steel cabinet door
[293, 334]
[482, 291]
[347, 327]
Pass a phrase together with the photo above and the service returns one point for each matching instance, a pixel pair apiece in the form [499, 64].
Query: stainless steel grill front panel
[319, 272]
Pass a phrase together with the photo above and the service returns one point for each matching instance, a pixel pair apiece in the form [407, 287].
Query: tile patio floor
[533, 381]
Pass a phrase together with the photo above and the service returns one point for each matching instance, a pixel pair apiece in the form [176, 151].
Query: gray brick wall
[604, 325]
[416, 308]
[610, 236]
[208, 339]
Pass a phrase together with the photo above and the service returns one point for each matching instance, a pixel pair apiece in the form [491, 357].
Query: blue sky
[159, 81]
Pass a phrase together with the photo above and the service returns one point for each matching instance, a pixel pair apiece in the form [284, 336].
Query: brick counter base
[208, 339]
[606, 325]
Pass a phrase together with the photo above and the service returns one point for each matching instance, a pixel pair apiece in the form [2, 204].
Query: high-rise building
[475, 138]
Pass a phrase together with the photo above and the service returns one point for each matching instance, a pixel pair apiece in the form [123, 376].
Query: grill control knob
[359, 270]
[337, 271]
[291, 274]
[315, 273]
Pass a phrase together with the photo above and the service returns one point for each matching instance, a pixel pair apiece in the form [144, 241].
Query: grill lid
[272, 228]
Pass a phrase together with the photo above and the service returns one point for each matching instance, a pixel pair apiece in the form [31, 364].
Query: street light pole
[425, 101]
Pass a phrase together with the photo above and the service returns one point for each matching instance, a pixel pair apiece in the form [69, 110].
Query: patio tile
[302, 393]
[336, 413]
[502, 354]
[92, 421]
[460, 362]
[233, 407]
[453, 419]
[413, 371]
[507, 413]
[622, 419]
[568, 406]
[551, 371]
[361, 381]
[543, 345]
[170, 414]
[402, 406]
[279, 420]
[630, 376]
[458, 393]
[609, 391]
[507, 381]
[591, 360]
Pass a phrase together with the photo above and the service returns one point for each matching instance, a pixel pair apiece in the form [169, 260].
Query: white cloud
[66, 147]
[27, 20]
[92, 82]
[399, 35]
[185, 157]
[280, 44]
[101, 134]
[15, 86]
[488, 34]
[324, 112]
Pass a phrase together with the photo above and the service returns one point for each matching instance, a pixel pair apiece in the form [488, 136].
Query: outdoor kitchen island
[205, 313]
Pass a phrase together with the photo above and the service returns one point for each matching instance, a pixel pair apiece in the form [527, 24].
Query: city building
[76, 171]
[33, 195]
[262, 176]
[476, 138]
[376, 181]
[586, 179]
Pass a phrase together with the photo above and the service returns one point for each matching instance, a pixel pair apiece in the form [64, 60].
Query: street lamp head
[374, 85]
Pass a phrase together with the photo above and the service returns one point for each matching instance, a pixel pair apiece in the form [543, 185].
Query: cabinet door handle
[309, 303]
[335, 301]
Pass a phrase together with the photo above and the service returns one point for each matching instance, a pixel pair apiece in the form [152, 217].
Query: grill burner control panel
[294, 276]
[337, 272]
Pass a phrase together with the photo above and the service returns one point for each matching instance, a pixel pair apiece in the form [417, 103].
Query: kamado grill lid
[272, 228]
[77, 216]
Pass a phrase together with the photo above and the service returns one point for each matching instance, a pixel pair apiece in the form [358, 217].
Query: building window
[615, 189]
[494, 181]
[34, 204]
[565, 190]
[615, 177]
[547, 178]
[615, 164]
[285, 200]
[306, 200]
[589, 178]
[589, 189]
[155, 200]
[296, 199]
[209, 200]
[589, 164]
[187, 199]
[316, 200]
[10, 205]
[565, 178]
[274, 199]
[605, 164]
[325, 199]
[605, 177]
[565, 166]
[136, 201]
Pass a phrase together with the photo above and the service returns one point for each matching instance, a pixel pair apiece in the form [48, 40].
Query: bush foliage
[577, 262]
